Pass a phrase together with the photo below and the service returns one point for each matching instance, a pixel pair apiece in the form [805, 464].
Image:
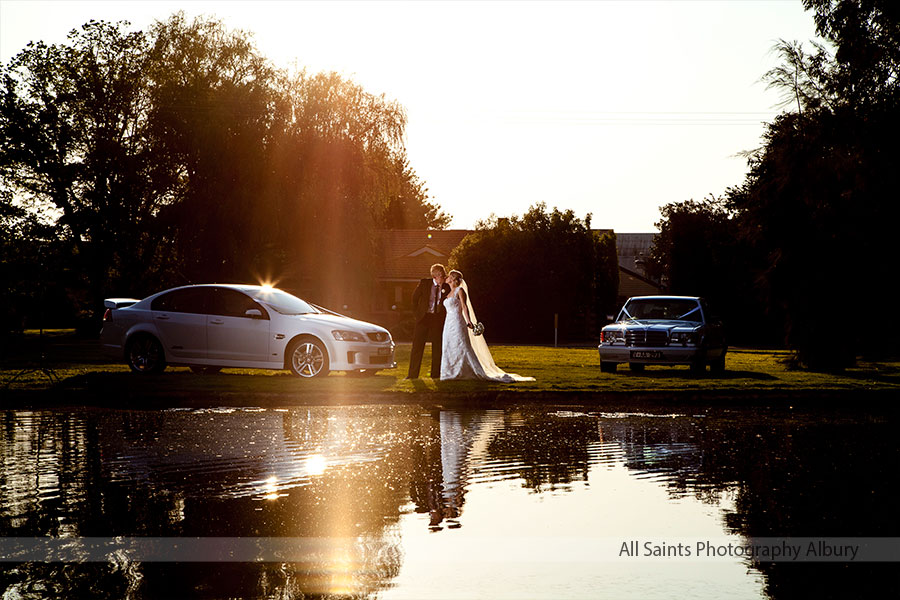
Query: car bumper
[114, 351]
[664, 355]
[355, 356]
[111, 343]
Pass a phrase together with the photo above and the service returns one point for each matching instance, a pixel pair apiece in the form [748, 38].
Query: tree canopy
[527, 269]
[813, 220]
[181, 154]
[74, 138]
[701, 250]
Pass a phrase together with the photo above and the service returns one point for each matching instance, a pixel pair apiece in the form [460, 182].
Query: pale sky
[609, 108]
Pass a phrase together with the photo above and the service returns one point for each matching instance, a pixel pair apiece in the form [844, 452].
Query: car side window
[185, 300]
[231, 303]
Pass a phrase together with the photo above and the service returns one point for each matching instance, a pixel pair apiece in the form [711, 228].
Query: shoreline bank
[884, 400]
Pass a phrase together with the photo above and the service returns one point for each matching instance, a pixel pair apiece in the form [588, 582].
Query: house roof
[634, 284]
[632, 248]
[409, 253]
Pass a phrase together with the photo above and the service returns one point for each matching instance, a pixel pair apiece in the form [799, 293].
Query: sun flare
[316, 464]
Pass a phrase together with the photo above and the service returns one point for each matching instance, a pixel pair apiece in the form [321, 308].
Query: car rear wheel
[307, 358]
[145, 354]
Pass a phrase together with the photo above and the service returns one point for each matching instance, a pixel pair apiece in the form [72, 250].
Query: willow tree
[336, 168]
[213, 115]
[284, 176]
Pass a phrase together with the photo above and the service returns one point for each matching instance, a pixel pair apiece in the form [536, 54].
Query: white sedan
[208, 327]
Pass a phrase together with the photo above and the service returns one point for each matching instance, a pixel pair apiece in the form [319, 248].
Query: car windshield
[283, 302]
[662, 309]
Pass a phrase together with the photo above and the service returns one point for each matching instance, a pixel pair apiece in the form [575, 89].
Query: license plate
[384, 352]
[646, 354]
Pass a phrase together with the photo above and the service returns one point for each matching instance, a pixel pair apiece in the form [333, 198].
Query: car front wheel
[307, 358]
[145, 354]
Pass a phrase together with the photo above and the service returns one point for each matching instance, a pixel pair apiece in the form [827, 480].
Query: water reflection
[401, 492]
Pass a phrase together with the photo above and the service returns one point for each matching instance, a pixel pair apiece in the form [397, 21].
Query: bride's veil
[479, 345]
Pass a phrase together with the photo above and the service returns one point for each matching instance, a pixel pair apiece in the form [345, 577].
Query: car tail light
[107, 316]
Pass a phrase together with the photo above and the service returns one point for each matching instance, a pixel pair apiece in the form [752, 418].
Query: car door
[232, 334]
[180, 320]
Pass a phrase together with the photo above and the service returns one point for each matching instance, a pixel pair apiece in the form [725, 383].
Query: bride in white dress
[466, 355]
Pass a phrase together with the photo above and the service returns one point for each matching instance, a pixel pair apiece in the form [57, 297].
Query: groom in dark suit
[428, 308]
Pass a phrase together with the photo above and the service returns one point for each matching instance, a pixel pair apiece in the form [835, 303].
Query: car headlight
[685, 338]
[347, 336]
[611, 336]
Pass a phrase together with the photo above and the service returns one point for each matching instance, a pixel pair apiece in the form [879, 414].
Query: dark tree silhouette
[818, 200]
[181, 154]
[74, 138]
[524, 270]
[701, 251]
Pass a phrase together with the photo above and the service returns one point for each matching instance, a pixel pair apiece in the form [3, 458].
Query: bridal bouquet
[478, 328]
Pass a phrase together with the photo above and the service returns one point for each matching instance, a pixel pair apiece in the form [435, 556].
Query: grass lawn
[76, 364]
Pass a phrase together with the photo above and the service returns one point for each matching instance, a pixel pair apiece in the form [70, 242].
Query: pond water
[408, 502]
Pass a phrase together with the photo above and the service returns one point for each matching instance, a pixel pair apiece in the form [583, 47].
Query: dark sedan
[664, 330]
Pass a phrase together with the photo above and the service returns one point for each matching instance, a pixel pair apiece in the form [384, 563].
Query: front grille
[379, 336]
[646, 338]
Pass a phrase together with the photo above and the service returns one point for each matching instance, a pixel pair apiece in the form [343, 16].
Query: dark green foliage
[34, 273]
[692, 249]
[701, 251]
[522, 271]
[73, 138]
[819, 201]
[808, 239]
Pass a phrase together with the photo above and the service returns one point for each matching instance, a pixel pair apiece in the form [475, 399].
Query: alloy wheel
[145, 355]
[308, 359]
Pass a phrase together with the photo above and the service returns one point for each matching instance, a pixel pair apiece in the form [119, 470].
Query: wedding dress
[466, 355]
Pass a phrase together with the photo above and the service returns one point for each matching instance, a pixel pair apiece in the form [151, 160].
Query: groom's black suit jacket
[422, 296]
[429, 328]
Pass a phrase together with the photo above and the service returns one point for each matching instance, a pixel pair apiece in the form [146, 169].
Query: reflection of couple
[445, 317]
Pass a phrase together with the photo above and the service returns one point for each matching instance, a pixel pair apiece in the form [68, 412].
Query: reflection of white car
[208, 327]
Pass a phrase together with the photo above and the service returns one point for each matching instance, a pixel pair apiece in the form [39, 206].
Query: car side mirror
[253, 313]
